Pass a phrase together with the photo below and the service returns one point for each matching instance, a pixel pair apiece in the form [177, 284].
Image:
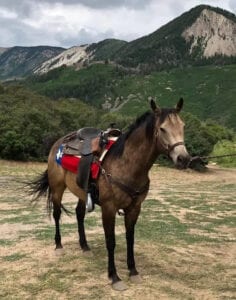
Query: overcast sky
[67, 23]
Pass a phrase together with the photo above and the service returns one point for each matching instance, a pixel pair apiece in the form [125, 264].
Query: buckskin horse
[123, 182]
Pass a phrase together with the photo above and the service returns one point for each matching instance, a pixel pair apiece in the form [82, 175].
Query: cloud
[74, 22]
[101, 4]
[25, 7]
[21, 8]
[232, 5]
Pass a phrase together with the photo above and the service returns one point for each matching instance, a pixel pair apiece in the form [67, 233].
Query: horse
[123, 181]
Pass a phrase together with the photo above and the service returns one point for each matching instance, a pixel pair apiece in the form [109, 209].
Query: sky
[68, 23]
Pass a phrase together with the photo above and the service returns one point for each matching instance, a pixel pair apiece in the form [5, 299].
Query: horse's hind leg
[80, 213]
[56, 197]
[56, 216]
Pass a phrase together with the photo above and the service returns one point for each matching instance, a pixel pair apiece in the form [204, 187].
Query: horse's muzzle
[183, 161]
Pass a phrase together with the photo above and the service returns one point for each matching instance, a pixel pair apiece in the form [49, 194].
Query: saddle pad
[71, 162]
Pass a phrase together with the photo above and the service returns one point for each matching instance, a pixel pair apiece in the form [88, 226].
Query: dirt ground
[187, 252]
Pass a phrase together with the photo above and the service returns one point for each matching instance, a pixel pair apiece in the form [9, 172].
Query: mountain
[20, 61]
[69, 57]
[202, 35]
[80, 56]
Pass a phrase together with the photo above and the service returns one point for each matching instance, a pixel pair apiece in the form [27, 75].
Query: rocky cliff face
[74, 56]
[79, 56]
[213, 33]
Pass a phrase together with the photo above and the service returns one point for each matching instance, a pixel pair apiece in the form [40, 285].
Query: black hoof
[85, 248]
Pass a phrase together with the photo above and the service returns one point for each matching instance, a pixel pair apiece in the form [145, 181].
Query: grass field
[185, 241]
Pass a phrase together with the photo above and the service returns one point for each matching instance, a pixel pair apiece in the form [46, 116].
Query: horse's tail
[39, 188]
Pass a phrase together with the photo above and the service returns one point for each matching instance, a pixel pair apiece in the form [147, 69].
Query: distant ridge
[21, 61]
[80, 56]
[203, 35]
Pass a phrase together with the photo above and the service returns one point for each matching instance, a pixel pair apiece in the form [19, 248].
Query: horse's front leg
[80, 213]
[131, 217]
[108, 219]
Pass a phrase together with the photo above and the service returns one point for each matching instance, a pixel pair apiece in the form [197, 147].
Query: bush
[224, 148]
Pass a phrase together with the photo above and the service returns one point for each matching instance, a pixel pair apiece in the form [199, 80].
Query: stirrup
[121, 212]
[89, 203]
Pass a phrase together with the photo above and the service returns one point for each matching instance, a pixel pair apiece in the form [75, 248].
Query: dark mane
[147, 120]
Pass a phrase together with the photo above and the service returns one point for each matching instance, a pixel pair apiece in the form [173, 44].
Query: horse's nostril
[182, 161]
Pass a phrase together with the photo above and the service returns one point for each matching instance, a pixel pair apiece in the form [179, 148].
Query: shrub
[225, 147]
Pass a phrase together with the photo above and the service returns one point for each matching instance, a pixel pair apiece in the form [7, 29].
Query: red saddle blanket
[71, 163]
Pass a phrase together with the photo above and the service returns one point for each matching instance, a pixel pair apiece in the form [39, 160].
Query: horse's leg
[56, 216]
[80, 213]
[131, 216]
[56, 197]
[108, 219]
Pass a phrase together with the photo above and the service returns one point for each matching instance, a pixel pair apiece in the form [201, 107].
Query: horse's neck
[139, 153]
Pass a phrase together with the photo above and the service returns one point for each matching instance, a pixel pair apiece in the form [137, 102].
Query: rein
[217, 156]
[133, 193]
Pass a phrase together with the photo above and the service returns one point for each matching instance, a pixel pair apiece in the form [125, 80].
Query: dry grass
[185, 241]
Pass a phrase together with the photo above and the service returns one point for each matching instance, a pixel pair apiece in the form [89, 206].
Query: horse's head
[170, 134]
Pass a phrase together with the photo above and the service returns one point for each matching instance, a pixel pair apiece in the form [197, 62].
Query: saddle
[79, 142]
[88, 140]
[88, 143]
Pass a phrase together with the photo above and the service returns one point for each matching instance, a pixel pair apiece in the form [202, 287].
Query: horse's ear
[154, 107]
[179, 105]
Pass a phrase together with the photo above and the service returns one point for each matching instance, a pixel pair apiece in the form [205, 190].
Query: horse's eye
[162, 129]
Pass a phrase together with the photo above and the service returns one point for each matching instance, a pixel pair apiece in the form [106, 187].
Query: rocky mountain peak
[73, 56]
[214, 33]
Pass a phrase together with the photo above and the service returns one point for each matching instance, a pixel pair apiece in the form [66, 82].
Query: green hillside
[209, 91]
[30, 123]
[106, 49]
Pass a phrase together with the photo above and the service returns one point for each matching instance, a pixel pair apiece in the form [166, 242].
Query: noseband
[172, 147]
